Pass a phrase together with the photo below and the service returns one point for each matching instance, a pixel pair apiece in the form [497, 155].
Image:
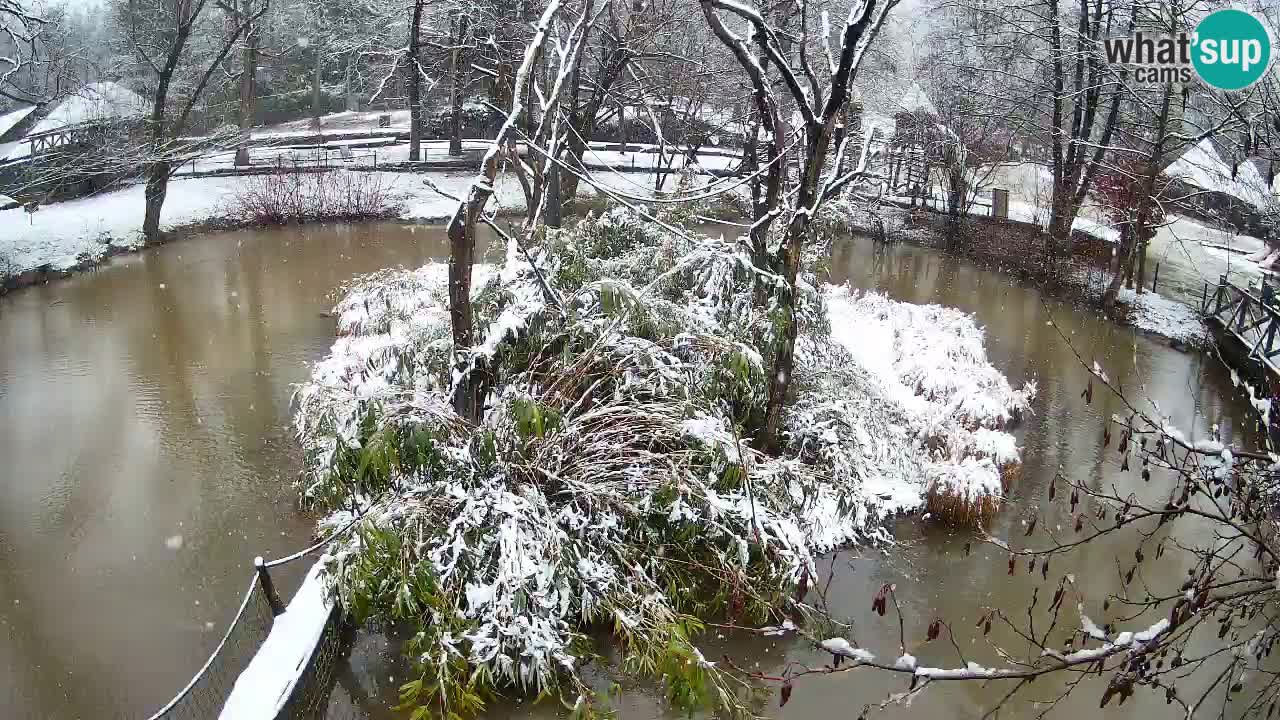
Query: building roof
[94, 102]
[1202, 167]
[11, 119]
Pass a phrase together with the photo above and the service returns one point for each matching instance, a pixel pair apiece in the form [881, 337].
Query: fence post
[1155, 277]
[268, 587]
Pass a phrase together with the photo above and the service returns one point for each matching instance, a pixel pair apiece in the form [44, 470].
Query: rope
[322, 543]
[208, 663]
[244, 604]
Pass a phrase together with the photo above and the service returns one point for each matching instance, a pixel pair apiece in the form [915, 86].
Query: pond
[149, 456]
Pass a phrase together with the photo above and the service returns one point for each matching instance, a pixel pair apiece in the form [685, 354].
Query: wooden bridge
[85, 135]
[1246, 322]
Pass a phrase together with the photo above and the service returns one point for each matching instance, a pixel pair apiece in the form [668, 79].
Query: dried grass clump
[1009, 474]
[966, 510]
[957, 506]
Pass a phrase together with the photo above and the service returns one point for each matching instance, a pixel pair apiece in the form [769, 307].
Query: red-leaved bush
[1118, 192]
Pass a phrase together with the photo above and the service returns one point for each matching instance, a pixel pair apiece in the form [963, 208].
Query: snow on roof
[1202, 167]
[93, 102]
[915, 100]
[882, 101]
[12, 118]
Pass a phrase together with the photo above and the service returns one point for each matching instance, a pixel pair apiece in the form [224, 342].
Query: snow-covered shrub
[931, 360]
[612, 483]
[286, 197]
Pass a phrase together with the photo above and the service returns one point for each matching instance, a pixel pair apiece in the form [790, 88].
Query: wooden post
[268, 587]
[1000, 203]
[1155, 277]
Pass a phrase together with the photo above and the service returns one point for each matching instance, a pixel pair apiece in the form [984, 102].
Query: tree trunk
[458, 72]
[1140, 278]
[156, 190]
[624, 128]
[415, 84]
[248, 89]
[316, 73]
[554, 202]
[352, 103]
[1146, 191]
[583, 115]
[462, 244]
[841, 132]
[1062, 215]
[816, 144]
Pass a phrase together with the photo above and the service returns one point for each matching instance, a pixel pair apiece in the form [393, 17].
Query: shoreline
[1077, 285]
[907, 229]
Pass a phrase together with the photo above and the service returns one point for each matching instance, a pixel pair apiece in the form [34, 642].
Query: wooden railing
[1248, 315]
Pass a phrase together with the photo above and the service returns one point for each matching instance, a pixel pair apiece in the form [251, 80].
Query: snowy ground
[1029, 186]
[65, 235]
[1191, 253]
[1156, 313]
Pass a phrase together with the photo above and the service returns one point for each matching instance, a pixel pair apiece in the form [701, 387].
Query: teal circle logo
[1231, 49]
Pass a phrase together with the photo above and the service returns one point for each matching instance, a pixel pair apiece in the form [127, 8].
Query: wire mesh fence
[310, 697]
[204, 696]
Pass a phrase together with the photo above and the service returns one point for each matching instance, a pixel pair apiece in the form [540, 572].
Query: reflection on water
[148, 454]
[929, 567]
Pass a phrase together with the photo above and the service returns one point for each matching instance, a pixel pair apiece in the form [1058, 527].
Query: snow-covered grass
[612, 480]
[931, 360]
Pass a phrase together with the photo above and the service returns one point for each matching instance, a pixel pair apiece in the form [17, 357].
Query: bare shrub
[289, 197]
[8, 269]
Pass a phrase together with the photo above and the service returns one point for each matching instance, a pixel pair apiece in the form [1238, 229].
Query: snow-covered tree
[819, 93]
[177, 49]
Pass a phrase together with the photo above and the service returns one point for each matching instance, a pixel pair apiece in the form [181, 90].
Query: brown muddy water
[148, 452]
